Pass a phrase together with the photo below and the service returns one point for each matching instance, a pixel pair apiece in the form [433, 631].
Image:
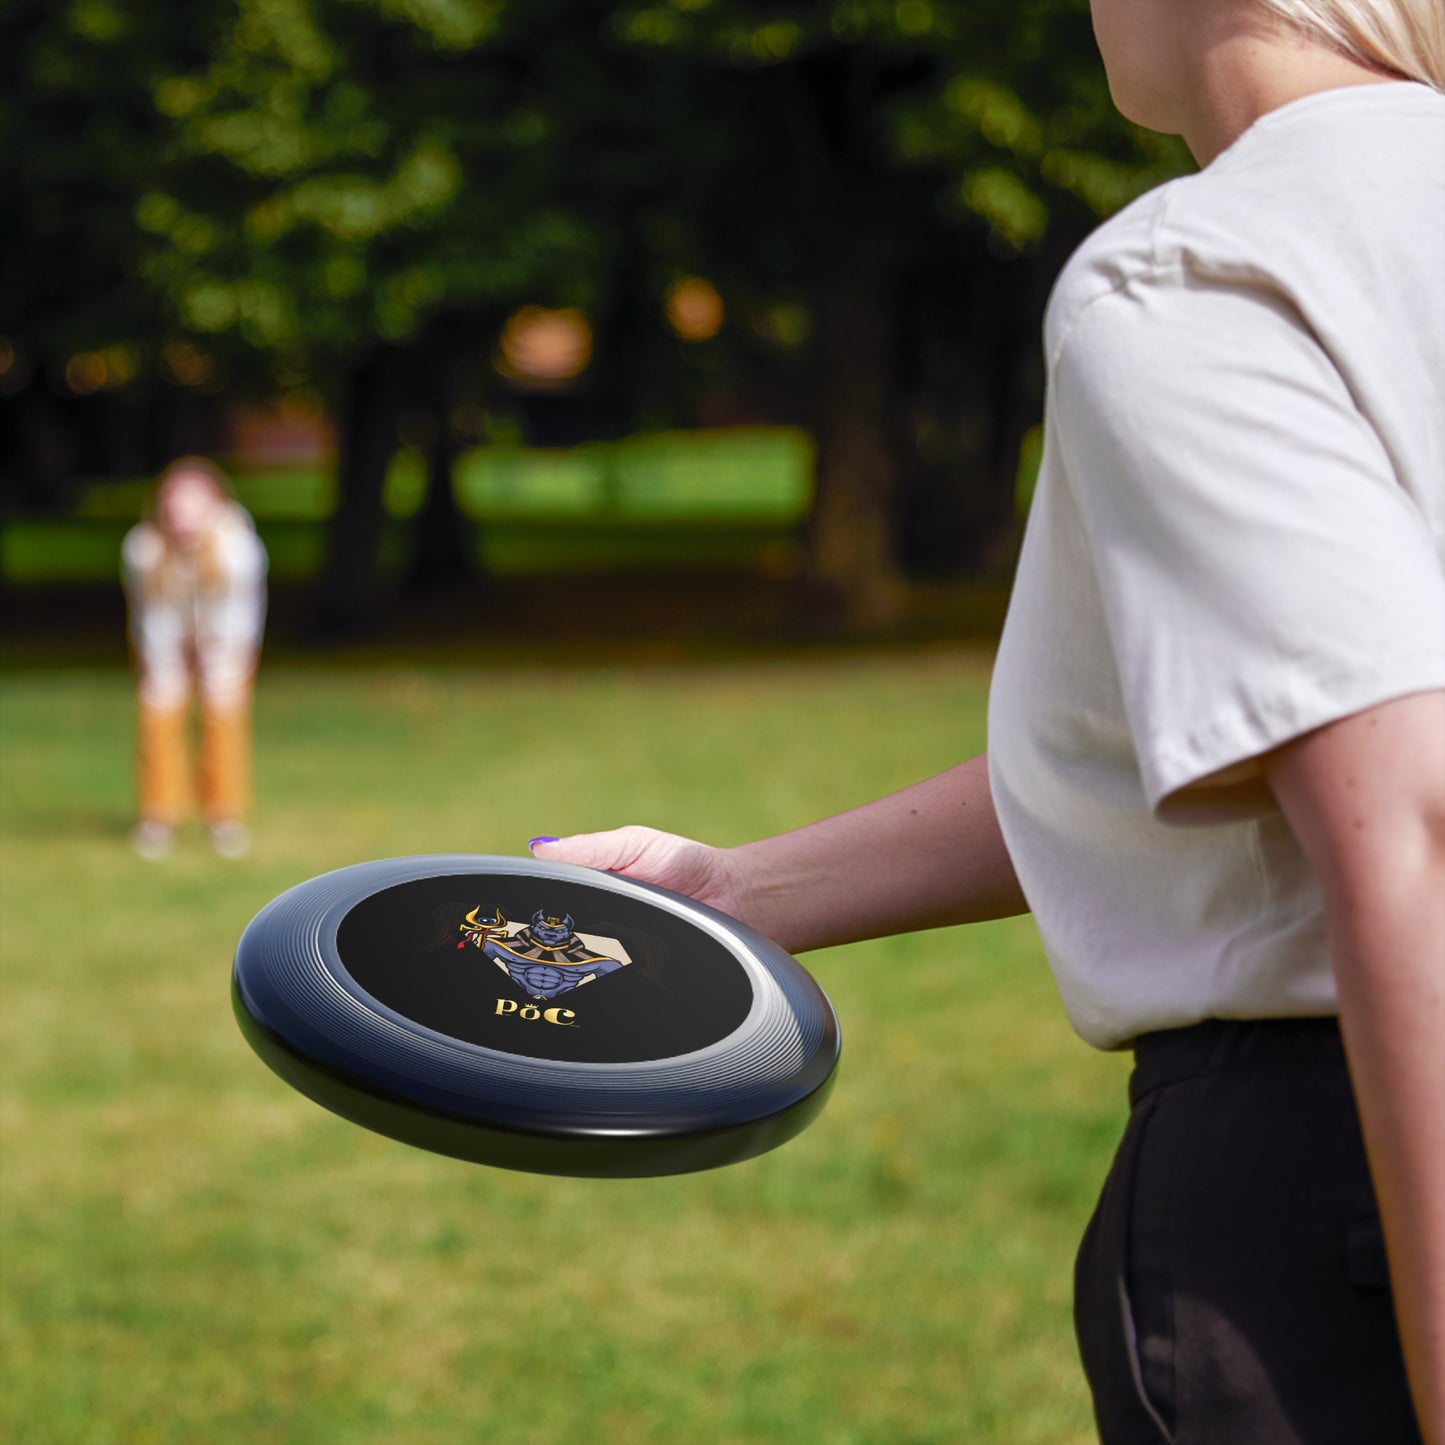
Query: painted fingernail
[532, 843]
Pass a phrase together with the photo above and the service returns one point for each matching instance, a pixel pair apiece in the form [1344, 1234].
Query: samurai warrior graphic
[546, 958]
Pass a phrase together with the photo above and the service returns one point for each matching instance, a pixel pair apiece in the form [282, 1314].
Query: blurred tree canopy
[351, 196]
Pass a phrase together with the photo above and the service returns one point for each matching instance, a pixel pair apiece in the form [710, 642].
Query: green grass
[192, 1252]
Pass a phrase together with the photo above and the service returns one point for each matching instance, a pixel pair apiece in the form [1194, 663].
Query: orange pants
[163, 762]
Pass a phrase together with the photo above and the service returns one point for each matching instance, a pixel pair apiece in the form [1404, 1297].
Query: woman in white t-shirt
[195, 583]
[1217, 733]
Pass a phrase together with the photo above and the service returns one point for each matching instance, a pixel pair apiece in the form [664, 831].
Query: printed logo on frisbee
[544, 968]
[545, 958]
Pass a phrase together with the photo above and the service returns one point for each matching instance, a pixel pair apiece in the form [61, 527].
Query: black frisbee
[535, 1016]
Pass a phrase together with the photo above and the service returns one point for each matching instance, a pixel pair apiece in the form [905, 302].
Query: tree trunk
[442, 558]
[47, 450]
[349, 599]
[974, 387]
[852, 264]
[852, 559]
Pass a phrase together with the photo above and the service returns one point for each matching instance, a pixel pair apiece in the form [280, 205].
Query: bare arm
[1366, 799]
[926, 857]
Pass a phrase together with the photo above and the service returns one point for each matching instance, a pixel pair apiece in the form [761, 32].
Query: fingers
[665, 859]
[613, 851]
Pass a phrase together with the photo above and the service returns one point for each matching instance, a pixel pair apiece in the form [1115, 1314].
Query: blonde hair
[193, 466]
[211, 572]
[1404, 37]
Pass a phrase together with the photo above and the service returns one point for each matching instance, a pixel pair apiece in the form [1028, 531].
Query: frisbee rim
[597, 1152]
[327, 1036]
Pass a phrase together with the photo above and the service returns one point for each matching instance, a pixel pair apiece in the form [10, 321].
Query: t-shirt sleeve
[1263, 570]
[140, 554]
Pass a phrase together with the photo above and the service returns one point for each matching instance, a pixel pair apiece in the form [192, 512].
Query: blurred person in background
[195, 583]
[1216, 767]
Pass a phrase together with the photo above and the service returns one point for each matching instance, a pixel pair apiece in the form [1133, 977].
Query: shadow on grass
[569, 621]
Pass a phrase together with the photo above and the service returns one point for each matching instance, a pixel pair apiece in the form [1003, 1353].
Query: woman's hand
[710, 875]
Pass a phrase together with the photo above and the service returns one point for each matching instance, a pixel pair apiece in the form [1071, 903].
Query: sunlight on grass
[191, 1252]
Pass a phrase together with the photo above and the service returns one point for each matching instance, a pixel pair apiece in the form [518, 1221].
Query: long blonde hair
[1404, 37]
[209, 570]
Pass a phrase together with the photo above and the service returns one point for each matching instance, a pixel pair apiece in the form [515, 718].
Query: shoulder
[238, 548]
[143, 549]
[1115, 256]
[1197, 231]
[1339, 189]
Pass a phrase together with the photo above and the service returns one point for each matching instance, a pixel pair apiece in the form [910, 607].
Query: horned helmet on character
[551, 928]
[477, 931]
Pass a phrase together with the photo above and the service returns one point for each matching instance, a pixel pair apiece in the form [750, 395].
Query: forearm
[926, 857]
[1390, 969]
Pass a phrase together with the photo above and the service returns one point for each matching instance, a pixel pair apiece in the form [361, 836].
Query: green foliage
[1003, 106]
[299, 178]
[341, 173]
[79, 140]
[190, 1251]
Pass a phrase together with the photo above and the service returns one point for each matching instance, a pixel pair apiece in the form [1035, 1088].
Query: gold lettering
[562, 1017]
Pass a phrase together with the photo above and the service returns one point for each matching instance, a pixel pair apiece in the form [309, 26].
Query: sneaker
[152, 840]
[231, 839]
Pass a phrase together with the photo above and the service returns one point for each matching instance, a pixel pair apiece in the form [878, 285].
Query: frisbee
[535, 1016]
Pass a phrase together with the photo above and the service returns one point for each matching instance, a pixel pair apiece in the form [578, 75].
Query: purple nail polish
[532, 843]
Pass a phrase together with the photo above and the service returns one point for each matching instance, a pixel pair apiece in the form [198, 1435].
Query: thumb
[611, 851]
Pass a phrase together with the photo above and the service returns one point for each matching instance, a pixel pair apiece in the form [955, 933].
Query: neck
[1246, 67]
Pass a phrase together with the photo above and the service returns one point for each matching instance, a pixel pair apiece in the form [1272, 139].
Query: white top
[196, 619]
[1238, 536]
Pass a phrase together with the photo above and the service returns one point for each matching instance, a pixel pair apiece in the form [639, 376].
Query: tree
[79, 140]
[909, 145]
[361, 179]
[352, 195]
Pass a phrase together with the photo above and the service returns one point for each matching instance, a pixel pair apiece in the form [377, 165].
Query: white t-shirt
[196, 620]
[1238, 536]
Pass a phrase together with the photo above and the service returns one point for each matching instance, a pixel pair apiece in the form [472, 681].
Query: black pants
[1231, 1288]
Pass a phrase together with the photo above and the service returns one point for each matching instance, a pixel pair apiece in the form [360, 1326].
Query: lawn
[191, 1252]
